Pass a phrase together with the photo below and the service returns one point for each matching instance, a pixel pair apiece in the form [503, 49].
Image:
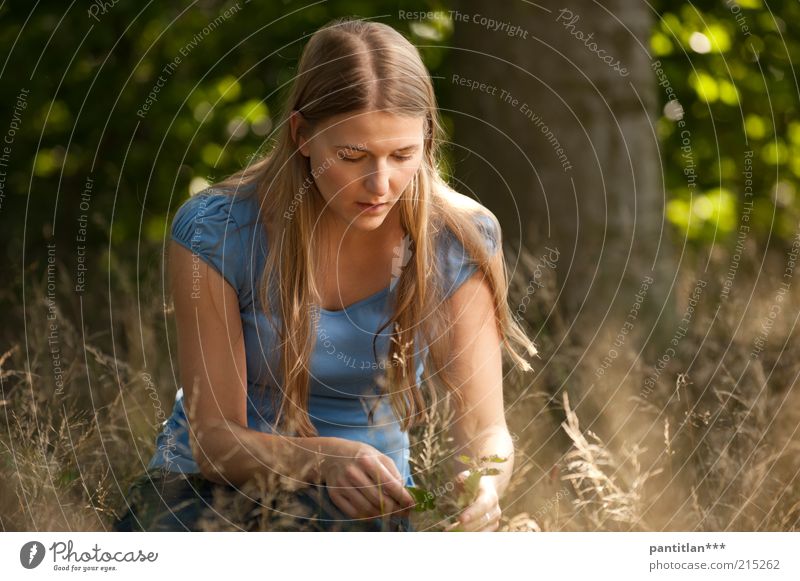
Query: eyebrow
[411, 147]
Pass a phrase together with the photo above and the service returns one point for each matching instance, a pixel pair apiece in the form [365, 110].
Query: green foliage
[150, 102]
[425, 499]
[730, 66]
[451, 501]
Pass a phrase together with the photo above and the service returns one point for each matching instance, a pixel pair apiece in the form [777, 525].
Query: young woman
[318, 290]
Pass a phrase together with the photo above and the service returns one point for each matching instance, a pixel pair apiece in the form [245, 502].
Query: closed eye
[397, 157]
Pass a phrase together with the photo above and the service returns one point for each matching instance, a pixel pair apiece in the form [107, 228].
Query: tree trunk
[561, 145]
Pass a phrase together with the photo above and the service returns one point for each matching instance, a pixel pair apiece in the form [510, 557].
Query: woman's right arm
[213, 372]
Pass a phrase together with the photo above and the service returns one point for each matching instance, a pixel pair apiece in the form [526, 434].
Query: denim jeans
[170, 501]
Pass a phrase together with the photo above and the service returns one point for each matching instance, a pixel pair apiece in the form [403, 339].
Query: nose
[377, 181]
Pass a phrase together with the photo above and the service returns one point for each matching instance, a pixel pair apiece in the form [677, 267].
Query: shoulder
[213, 224]
[456, 262]
[212, 209]
[478, 214]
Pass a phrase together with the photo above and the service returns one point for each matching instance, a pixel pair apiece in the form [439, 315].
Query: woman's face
[362, 162]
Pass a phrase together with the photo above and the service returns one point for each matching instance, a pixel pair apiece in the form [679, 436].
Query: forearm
[492, 441]
[230, 453]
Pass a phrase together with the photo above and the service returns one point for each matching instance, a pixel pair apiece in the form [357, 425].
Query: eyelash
[397, 157]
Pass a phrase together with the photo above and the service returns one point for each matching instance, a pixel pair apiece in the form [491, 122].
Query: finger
[386, 473]
[482, 524]
[472, 525]
[484, 502]
[493, 525]
[363, 506]
[383, 479]
[405, 499]
[390, 467]
[453, 526]
[393, 491]
[380, 501]
[491, 528]
[474, 516]
[343, 504]
[360, 504]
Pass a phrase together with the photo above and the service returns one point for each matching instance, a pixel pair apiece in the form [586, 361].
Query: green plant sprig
[426, 501]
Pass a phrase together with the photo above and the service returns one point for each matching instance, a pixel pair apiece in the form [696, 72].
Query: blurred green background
[89, 70]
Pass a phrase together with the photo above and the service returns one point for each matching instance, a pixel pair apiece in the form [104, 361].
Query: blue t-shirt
[224, 230]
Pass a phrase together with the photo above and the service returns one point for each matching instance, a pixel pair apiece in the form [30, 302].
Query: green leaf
[425, 499]
[464, 459]
[470, 488]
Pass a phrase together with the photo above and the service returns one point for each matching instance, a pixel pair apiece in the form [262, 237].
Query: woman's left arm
[480, 429]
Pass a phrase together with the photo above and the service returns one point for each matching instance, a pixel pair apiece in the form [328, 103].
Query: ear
[298, 125]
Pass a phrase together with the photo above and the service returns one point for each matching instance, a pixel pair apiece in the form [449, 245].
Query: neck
[338, 235]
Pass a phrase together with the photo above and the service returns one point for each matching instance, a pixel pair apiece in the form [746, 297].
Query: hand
[483, 515]
[363, 483]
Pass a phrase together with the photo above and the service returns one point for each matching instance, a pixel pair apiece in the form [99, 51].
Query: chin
[367, 223]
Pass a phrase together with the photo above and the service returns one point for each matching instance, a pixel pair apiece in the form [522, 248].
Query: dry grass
[714, 446]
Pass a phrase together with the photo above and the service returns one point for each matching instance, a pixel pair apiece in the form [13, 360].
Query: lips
[370, 206]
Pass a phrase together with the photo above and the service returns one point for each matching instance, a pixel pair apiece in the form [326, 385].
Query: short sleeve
[456, 265]
[205, 225]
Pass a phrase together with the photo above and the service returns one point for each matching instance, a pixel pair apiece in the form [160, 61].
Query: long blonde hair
[351, 65]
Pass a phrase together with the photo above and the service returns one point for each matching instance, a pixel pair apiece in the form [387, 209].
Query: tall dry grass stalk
[713, 446]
